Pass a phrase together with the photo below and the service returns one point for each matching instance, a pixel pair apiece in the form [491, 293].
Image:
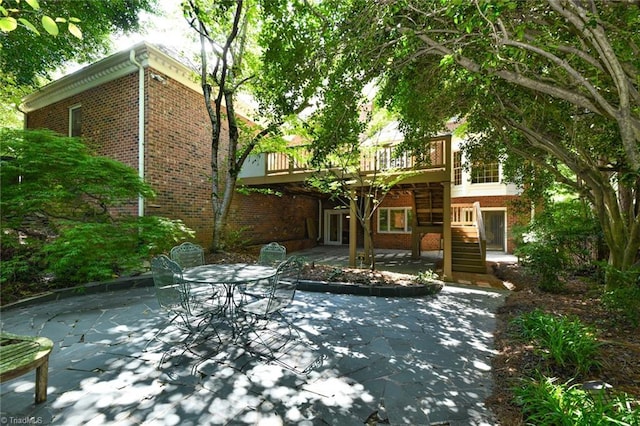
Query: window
[485, 173]
[457, 168]
[395, 220]
[75, 121]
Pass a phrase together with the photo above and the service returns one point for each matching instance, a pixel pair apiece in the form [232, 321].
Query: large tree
[231, 65]
[552, 86]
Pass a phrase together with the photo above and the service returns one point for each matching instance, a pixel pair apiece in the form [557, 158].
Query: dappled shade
[414, 360]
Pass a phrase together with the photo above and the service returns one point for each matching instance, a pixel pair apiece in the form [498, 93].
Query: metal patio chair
[280, 293]
[188, 255]
[191, 308]
[272, 254]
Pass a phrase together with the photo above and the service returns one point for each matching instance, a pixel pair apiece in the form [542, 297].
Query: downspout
[141, 105]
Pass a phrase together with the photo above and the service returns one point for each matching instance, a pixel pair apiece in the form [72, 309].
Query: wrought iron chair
[187, 255]
[280, 294]
[191, 308]
[272, 254]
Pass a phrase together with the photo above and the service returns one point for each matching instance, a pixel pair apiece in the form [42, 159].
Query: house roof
[110, 68]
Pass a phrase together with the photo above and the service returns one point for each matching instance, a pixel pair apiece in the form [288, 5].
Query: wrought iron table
[229, 275]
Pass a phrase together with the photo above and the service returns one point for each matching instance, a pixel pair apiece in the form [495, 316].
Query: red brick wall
[265, 218]
[109, 121]
[177, 157]
[399, 241]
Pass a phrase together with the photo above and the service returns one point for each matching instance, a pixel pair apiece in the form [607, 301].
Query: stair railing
[482, 238]
[463, 215]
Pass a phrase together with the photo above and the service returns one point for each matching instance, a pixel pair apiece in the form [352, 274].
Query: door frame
[502, 210]
[341, 214]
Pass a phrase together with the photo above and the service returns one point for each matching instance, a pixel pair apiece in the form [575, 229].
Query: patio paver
[416, 360]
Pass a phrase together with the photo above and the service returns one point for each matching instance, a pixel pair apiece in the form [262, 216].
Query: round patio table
[229, 275]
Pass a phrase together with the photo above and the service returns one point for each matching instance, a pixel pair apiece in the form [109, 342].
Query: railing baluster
[382, 159]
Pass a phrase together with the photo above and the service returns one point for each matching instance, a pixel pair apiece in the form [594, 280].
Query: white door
[335, 229]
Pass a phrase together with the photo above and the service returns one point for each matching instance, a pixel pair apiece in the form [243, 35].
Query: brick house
[144, 108]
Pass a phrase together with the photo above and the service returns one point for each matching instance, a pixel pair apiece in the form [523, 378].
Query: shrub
[562, 239]
[565, 341]
[100, 251]
[64, 211]
[21, 258]
[542, 257]
[622, 294]
[235, 239]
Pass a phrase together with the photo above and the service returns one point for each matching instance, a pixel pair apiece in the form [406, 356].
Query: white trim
[109, 69]
[327, 214]
[407, 222]
[70, 113]
[141, 125]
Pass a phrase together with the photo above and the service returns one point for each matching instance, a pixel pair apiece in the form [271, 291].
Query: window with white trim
[75, 121]
[457, 168]
[394, 220]
[485, 173]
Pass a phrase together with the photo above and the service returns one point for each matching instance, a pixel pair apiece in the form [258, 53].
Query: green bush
[560, 240]
[100, 251]
[544, 259]
[21, 258]
[64, 211]
[431, 281]
[565, 341]
[235, 239]
[622, 297]
[546, 403]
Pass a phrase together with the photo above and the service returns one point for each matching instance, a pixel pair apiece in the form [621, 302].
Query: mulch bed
[619, 354]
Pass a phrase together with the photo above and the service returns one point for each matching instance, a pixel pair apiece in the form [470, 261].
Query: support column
[353, 230]
[446, 232]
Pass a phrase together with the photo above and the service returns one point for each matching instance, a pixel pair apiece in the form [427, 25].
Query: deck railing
[375, 159]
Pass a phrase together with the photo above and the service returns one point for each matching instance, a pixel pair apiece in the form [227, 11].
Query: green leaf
[50, 25]
[75, 30]
[33, 3]
[8, 24]
[76, 20]
[59, 19]
[29, 25]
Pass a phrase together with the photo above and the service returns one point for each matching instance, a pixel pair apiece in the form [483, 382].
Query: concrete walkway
[416, 361]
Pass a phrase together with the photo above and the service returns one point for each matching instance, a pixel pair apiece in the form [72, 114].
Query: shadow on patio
[415, 360]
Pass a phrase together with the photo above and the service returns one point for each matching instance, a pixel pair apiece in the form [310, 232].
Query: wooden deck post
[353, 229]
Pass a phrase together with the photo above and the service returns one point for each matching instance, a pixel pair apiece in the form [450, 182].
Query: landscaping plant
[565, 341]
[623, 296]
[546, 402]
[562, 239]
[68, 212]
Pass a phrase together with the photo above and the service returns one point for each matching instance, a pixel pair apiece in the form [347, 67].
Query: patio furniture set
[202, 299]
[197, 296]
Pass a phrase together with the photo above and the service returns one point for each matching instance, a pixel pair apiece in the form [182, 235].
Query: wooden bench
[21, 354]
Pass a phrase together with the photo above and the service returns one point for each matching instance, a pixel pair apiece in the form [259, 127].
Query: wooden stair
[466, 256]
[428, 204]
